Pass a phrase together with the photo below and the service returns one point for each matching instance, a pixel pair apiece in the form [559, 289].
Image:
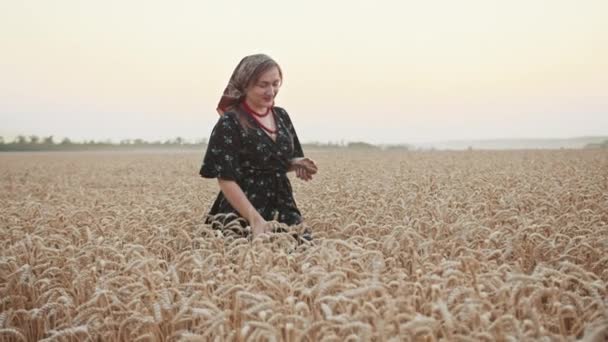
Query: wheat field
[424, 246]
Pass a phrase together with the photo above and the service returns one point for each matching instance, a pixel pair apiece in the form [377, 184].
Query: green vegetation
[35, 143]
[603, 144]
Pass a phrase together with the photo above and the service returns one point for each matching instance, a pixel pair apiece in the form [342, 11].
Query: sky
[379, 71]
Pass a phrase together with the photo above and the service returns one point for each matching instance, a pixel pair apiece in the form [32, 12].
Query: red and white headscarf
[244, 73]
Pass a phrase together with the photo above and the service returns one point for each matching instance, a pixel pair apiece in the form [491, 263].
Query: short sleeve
[297, 147]
[221, 159]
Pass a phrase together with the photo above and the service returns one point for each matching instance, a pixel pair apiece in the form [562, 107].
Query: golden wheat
[470, 246]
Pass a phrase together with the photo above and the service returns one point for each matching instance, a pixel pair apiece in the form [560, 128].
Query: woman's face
[262, 92]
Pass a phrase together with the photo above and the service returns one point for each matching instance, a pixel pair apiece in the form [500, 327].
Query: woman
[252, 147]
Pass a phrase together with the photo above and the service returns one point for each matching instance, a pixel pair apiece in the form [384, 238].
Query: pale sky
[376, 70]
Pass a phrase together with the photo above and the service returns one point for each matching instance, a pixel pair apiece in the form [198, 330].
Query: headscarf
[241, 77]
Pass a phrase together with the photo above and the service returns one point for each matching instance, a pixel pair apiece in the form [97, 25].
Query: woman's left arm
[303, 166]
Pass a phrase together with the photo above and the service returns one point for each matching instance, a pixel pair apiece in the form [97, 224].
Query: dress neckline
[277, 128]
[259, 128]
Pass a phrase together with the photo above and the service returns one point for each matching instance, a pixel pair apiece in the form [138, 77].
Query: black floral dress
[241, 151]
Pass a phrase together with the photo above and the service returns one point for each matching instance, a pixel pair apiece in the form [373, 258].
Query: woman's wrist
[292, 164]
[255, 218]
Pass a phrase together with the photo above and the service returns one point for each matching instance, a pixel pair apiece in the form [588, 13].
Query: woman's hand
[260, 226]
[302, 173]
[304, 168]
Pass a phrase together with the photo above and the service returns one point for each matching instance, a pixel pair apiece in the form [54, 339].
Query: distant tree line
[35, 143]
[603, 144]
[48, 143]
[355, 145]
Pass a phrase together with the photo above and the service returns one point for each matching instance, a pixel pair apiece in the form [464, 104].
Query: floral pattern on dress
[248, 156]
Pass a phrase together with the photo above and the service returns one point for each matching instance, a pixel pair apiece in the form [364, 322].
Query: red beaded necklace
[255, 116]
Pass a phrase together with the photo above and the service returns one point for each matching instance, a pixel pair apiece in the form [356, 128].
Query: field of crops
[458, 246]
